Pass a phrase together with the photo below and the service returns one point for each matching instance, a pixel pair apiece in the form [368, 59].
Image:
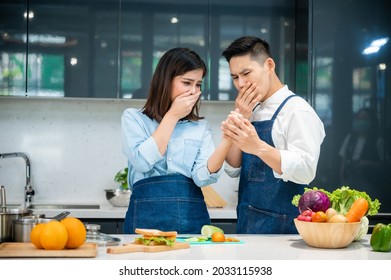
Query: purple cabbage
[315, 200]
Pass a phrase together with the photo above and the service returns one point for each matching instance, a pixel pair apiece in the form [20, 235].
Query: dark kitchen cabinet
[109, 48]
[108, 226]
[228, 226]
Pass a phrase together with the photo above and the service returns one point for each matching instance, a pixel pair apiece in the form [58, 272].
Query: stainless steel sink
[64, 206]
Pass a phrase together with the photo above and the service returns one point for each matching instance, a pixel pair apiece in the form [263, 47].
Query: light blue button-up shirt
[187, 153]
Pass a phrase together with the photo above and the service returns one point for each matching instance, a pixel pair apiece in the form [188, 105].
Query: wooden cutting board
[28, 250]
[212, 198]
[131, 248]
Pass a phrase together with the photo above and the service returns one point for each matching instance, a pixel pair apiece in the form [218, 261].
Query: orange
[54, 236]
[35, 235]
[77, 232]
[218, 237]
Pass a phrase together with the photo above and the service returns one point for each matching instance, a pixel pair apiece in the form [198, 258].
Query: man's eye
[245, 74]
[234, 78]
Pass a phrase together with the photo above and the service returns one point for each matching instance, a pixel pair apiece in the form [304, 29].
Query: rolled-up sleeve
[305, 136]
[201, 174]
[233, 172]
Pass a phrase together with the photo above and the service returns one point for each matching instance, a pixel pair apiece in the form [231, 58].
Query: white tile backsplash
[74, 146]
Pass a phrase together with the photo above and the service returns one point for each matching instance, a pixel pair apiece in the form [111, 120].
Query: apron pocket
[261, 221]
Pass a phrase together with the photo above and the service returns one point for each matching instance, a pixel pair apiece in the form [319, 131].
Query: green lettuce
[343, 198]
[160, 240]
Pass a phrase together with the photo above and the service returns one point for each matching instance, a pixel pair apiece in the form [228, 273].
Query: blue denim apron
[170, 202]
[265, 202]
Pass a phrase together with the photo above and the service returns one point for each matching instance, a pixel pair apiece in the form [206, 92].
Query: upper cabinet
[109, 48]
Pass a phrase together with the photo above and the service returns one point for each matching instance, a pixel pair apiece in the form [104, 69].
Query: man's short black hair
[254, 46]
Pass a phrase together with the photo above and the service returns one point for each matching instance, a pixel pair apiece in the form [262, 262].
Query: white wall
[74, 146]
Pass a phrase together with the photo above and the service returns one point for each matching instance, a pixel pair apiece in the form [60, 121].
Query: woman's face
[189, 82]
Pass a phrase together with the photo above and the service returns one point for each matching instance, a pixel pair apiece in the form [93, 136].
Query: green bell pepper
[381, 238]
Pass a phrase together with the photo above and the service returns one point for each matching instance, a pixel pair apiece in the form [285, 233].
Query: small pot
[6, 219]
[23, 227]
[7, 216]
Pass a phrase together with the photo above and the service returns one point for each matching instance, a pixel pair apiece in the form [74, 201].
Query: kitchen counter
[254, 247]
[280, 255]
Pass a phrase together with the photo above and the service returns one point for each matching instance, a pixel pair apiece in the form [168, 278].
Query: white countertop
[110, 212]
[284, 255]
[252, 247]
[255, 247]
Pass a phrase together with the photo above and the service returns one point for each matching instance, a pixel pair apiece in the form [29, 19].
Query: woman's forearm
[164, 131]
[216, 160]
[234, 156]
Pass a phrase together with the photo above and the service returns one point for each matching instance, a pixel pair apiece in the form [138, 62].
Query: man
[276, 135]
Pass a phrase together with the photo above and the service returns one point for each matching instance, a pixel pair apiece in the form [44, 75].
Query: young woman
[170, 149]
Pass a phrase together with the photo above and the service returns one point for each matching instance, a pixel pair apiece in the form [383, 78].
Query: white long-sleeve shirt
[297, 133]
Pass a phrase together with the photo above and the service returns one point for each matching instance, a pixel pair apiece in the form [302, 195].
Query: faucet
[29, 191]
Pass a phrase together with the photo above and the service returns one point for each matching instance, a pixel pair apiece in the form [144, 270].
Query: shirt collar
[276, 98]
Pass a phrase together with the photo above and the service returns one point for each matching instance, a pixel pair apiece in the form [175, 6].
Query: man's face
[245, 70]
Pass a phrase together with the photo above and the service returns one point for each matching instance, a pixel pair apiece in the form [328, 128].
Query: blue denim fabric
[265, 202]
[171, 202]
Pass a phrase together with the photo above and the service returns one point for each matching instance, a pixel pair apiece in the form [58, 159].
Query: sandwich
[154, 237]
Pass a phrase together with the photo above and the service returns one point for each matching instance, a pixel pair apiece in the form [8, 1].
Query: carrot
[358, 210]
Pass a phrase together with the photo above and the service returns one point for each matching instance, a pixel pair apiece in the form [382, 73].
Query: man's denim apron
[264, 203]
[170, 202]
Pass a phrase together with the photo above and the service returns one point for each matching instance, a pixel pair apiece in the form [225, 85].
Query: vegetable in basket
[315, 200]
[343, 198]
[358, 210]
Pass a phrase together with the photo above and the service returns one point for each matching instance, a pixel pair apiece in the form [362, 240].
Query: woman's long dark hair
[173, 63]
